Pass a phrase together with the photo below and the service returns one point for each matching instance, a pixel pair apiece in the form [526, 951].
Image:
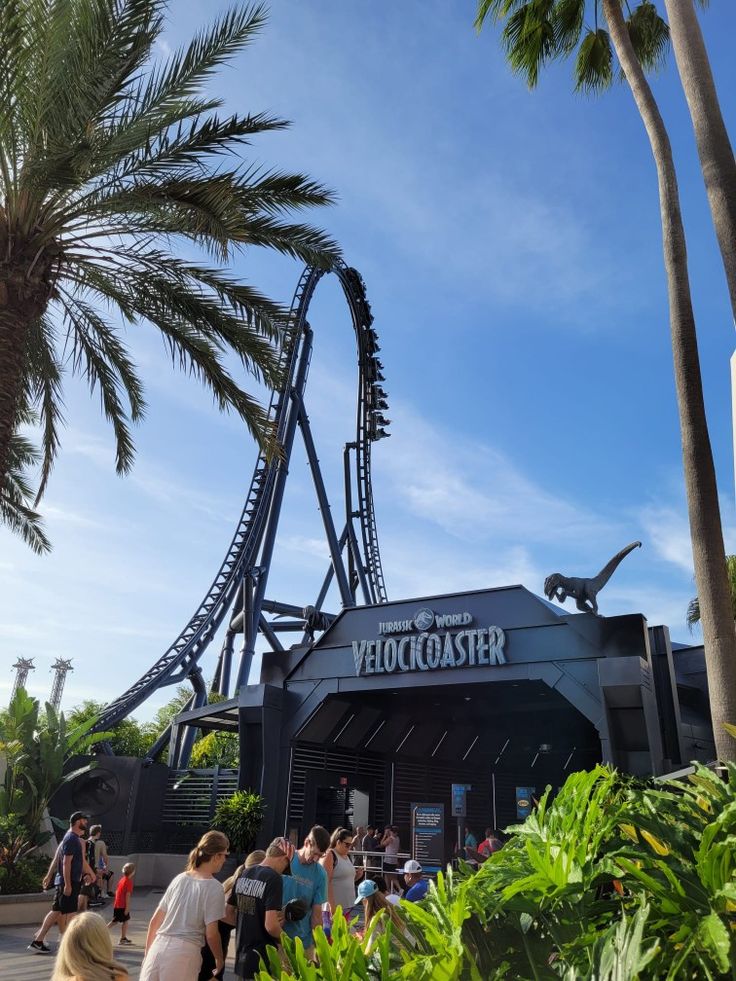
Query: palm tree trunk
[714, 147]
[709, 557]
[12, 359]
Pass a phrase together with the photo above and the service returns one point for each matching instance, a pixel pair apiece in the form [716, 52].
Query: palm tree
[116, 169]
[536, 32]
[693, 607]
[714, 146]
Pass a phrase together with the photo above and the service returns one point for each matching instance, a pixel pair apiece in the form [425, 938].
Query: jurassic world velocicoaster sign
[430, 642]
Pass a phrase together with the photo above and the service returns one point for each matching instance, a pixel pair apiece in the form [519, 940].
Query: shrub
[240, 817]
[23, 876]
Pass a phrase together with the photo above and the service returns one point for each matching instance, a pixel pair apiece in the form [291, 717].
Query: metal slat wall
[430, 781]
[308, 756]
[190, 800]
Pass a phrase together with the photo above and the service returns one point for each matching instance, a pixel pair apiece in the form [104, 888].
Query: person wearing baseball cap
[417, 886]
[374, 900]
[70, 868]
[255, 902]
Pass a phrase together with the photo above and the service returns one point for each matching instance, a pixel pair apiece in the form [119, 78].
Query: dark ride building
[496, 688]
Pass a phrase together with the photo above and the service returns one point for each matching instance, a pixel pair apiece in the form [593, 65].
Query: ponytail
[210, 844]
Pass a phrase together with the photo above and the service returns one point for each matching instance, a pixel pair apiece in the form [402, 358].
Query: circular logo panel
[96, 792]
[424, 619]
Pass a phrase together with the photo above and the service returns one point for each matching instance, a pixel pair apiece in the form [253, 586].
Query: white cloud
[473, 491]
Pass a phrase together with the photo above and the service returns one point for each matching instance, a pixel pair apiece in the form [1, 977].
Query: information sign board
[428, 835]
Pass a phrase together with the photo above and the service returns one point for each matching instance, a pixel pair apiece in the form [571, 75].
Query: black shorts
[119, 915]
[67, 904]
[90, 891]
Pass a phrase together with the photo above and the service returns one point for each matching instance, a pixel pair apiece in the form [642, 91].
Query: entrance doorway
[337, 800]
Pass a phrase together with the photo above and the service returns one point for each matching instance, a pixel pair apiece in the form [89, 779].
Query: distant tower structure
[60, 666]
[22, 666]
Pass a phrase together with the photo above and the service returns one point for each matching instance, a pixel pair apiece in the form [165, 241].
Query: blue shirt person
[417, 886]
[308, 881]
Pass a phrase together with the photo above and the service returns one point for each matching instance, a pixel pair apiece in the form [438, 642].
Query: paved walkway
[17, 963]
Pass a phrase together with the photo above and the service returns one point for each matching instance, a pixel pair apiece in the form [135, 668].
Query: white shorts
[171, 959]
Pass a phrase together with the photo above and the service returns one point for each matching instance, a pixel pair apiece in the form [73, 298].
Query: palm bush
[240, 817]
[35, 748]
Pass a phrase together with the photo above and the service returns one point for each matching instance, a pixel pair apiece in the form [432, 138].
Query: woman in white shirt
[186, 915]
[341, 873]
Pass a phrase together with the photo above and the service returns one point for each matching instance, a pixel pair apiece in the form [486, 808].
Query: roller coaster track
[182, 656]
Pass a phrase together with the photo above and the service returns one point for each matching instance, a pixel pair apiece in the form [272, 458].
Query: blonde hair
[255, 858]
[85, 951]
[128, 868]
[375, 903]
[210, 844]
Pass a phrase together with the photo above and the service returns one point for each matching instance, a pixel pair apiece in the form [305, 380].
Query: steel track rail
[183, 654]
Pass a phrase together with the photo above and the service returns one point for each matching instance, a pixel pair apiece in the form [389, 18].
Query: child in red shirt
[121, 905]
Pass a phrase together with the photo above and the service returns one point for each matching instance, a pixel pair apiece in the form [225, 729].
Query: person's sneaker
[124, 941]
[39, 946]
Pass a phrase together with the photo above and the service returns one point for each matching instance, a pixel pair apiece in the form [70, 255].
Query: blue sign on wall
[524, 801]
[459, 804]
[428, 835]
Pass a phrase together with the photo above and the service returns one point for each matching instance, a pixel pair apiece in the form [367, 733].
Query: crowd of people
[280, 891]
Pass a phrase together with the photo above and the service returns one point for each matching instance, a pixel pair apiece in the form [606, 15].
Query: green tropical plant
[619, 954]
[216, 749]
[126, 738]
[122, 194]
[240, 817]
[536, 32]
[547, 892]
[693, 608]
[36, 746]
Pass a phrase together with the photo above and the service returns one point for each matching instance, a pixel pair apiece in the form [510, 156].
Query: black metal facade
[495, 688]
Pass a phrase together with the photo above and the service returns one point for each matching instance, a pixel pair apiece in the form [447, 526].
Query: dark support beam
[252, 612]
[324, 506]
[226, 661]
[268, 633]
[358, 565]
[322, 595]
[200, 699]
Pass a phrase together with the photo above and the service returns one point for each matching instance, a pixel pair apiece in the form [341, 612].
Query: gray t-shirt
[189, 904]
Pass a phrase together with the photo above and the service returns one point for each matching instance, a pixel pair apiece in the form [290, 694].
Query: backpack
[488, 846]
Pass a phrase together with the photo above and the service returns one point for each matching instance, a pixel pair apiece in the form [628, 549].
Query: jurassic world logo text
[429, 650]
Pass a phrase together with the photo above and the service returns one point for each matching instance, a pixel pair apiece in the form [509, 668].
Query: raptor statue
[584, 591]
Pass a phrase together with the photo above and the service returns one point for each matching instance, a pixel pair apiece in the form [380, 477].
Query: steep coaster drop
[239, 588]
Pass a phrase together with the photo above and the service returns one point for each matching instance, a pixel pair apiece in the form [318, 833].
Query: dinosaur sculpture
[584, 591]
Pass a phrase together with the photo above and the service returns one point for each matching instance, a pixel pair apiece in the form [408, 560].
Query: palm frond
[183, 74]
[594, 63]
[497, 9]
[529, 38]
[100, 357]
[215, 302]
[568, 25]
[16, 494]
[43, 387]
[692, 615]
[650, 35]
[217, 212]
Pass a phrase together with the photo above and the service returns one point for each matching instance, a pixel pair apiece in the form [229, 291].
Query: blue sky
[510, 243]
